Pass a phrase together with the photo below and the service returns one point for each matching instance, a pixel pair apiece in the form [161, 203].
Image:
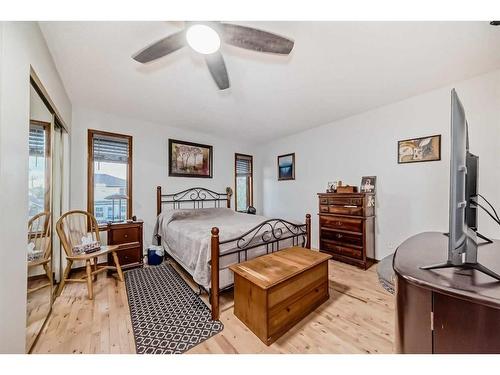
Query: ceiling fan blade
[217, 67]
[495, 23]
[256, 40]
[161, 48]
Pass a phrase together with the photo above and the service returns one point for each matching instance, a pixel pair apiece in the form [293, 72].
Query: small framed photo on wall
[286, 167]
[368, 184]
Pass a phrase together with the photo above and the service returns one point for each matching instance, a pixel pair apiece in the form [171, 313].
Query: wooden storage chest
[274, 292]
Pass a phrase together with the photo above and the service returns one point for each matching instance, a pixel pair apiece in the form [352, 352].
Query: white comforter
[186, 235]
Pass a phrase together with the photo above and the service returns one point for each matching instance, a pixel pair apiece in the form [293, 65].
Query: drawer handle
[339, 223]
[339, 235]
[126, 235]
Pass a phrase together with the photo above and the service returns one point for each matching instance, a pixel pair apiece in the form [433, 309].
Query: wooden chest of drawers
[123, 234]
[273, 292]
[347, 227]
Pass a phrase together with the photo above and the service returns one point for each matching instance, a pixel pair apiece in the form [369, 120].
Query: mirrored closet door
[47, 197]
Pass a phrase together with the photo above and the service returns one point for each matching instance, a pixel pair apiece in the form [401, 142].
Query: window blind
[110, 149]
[37, 140]
[243, 165]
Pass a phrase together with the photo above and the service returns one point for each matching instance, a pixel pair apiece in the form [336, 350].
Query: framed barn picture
[286, 167]
[187, 159]
[421, 149]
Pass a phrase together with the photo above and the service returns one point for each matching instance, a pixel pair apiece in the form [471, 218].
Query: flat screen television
[464, 167]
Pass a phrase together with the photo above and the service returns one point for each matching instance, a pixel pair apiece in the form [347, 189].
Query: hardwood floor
[358, 318]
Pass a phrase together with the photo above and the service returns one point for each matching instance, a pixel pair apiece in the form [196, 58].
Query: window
[39, 167]
[109, 176]
[243, 168]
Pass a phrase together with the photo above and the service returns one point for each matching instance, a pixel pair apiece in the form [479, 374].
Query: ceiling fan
[206, 38]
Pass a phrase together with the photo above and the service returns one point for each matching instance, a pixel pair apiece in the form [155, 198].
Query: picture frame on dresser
[368, 184]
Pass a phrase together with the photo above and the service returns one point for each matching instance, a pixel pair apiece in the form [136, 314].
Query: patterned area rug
[167, 316]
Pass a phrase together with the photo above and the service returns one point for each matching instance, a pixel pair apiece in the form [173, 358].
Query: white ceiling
[335, 70]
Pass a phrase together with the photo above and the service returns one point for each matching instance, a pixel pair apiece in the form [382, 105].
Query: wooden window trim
[90, 169]
[250, 191]
[48, 163]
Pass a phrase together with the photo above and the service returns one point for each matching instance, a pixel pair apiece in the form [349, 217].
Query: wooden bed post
[308, 231]
[214, 261]
[158, 200]
[229, 193]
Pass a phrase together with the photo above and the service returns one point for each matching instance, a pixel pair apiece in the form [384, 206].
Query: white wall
[22, 45]
[150, 161]
[411, 198]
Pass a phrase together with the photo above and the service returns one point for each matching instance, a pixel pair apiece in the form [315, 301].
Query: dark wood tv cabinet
[448, 310]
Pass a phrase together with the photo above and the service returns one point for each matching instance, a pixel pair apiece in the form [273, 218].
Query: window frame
[90, 168]
[48, 163]
[250, 188]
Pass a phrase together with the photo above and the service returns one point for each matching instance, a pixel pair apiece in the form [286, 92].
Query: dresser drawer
[342, 250]
[323, 200]
[125, 235]
[343, 223]
[345, 210]
[350, 201]
[342, 238]
[324, 209]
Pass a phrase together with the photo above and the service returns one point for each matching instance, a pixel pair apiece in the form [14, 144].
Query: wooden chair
[71, 227]
[39, 233]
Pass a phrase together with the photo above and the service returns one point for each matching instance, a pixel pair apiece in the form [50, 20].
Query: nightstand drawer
[129, 256]
[125, 235]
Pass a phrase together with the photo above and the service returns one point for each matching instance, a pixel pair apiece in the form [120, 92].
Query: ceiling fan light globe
[203, 39]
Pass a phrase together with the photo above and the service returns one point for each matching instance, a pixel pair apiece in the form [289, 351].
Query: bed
[199, 230]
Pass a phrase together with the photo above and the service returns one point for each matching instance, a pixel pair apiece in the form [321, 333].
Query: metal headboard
[196, 197]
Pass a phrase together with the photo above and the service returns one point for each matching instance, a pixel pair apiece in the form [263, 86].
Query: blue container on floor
[155, 255]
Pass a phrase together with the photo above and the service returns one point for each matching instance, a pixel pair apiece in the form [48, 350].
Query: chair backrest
[74, 225]
[39, 233]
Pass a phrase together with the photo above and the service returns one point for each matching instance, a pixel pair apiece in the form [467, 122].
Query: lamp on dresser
[347, 227]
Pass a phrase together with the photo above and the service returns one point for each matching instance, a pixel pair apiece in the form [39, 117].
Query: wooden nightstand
[124, 233]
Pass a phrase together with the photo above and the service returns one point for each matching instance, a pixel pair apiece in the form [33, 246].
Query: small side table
[130, 236]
